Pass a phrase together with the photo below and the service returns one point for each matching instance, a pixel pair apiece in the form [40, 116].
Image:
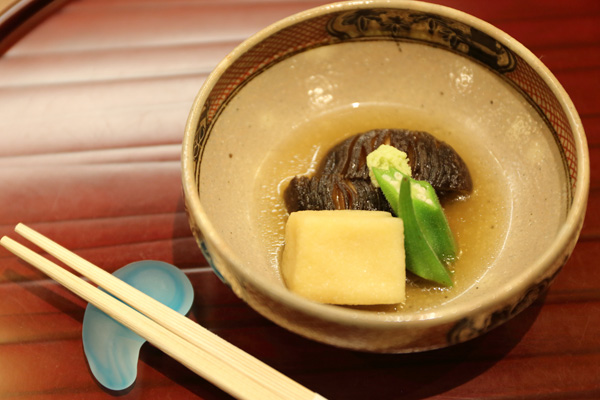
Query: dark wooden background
[93, 101]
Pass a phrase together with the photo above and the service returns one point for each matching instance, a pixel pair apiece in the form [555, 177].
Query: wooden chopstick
[206, 354]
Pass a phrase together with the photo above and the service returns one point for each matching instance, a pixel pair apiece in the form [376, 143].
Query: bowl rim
[567, 234]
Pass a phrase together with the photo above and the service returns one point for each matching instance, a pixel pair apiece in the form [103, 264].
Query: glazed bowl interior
[265, 116]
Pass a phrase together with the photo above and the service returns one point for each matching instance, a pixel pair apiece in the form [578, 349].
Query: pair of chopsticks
[218, 361]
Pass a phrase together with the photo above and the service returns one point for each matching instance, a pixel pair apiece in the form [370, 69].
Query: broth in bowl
[479, 220]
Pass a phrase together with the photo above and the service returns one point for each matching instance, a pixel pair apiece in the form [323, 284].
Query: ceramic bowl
[279, 100]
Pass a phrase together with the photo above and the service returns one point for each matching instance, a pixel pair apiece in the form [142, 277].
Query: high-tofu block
[345, 257]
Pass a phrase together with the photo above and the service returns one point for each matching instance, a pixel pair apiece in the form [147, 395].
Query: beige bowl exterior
[406, 22]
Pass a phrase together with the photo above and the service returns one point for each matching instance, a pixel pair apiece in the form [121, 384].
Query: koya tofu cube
[345, 257]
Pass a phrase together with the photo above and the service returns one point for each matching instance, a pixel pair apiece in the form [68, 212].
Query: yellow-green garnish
[386, 157]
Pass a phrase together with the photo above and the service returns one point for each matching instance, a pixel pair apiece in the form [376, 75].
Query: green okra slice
[427, 209]
[389, 182]
[420, 256]
[432, 220]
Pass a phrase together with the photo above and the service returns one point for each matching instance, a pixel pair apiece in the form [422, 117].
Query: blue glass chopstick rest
[111, 349]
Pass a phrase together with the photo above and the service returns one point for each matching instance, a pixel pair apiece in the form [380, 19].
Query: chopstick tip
[5, 241]
[20, 226]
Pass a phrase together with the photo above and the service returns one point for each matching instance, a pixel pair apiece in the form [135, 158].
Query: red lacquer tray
[94, 95]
